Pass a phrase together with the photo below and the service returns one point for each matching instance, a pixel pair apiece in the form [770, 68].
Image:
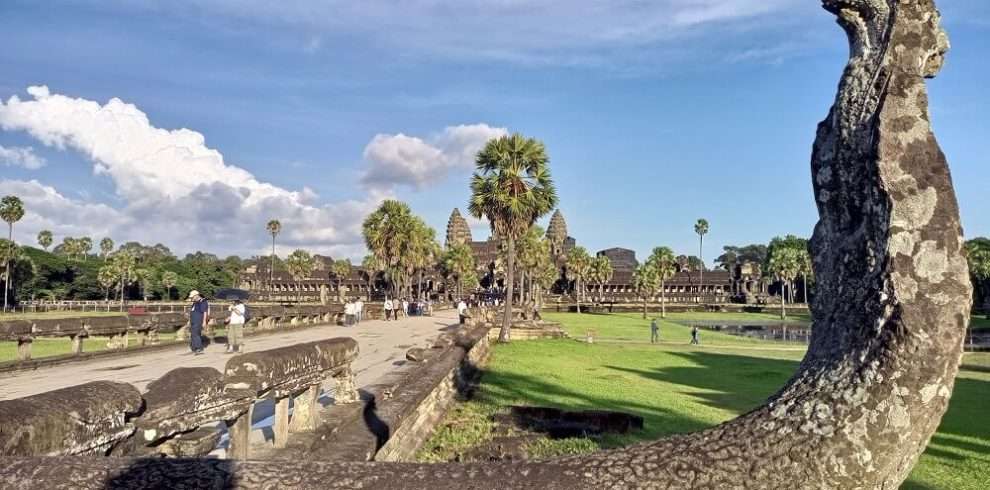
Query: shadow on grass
[724, 381]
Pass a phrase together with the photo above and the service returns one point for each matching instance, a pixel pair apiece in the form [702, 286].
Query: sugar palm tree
[662, 259]
[123, 263]
[578, 268]
[169, 280]
[11, 211]
[107, 278]
[144, 278]
[45, 239]
[701, 228]
[529, 250]
[388, 232]
[274, 227]
[601, 273]
[458, 261]
[106, 246]
[785, 265]
[300, 264]
[369, 270]
[341, 269]
[646, 280]
[511, 187]
[85, 246]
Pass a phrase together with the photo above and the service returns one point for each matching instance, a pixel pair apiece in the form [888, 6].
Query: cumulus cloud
[398, 159]
[173, 187]
[17, 156]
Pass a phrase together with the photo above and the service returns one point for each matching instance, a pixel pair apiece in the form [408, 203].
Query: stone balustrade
[178, 414]
[146, 326]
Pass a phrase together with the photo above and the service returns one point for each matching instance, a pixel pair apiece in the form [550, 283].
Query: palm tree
[546, 275]
[979, 265]
[107, 277]
[11, 211]
[123, 264]
[601, 272]
[529, 251]
[369, 268]
[106, 246]
[701, 228]
[662, 259]
[85, 246]
[646, 280]
[422, 251]
[388, 232]
[578, 268]
[274, 227]
[806, 270]
[784, 264]
[340, 270]
[144, 278]
[458, 261]
[300, 264]
[511, 187]
[169, 279]
[45, 239]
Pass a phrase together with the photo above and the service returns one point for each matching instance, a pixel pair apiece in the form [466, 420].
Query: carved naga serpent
[890, 316]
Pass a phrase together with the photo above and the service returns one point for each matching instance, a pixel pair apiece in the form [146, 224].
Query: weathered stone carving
[85, 419]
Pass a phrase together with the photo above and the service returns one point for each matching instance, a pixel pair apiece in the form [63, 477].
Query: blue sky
[654, 114]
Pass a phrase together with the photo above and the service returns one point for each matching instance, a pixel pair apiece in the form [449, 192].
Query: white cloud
[398, 159]
[174, 188]
[17, 156]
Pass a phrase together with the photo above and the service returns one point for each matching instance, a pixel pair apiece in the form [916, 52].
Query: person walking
[405, 308]
[388, 308]
[654, 332]
[199, 315]
[359, 310]
[695, 336]
[348, 313]
[462, 310]
[235, 326]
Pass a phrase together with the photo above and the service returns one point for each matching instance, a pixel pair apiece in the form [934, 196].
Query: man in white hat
[199, 314]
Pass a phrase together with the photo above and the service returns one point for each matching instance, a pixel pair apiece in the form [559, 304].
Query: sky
[193, 122]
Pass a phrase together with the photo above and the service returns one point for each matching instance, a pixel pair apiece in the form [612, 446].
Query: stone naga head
[869, 23]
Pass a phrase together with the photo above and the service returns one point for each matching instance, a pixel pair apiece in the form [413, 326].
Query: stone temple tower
[557, 233]
[458, 231]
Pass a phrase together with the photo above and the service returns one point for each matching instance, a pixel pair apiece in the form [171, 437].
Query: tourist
[199, 315]
[388, 308]
[235, 326]
[462, 310]
[348, 313]
[359, 309]
[405, 307]
[654, 332]
[695, 335]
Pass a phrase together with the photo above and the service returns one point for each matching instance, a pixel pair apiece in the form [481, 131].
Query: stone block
[86, 419]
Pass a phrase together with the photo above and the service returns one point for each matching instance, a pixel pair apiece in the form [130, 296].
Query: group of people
[199, 315]
[655, 333]
[353, 312]
[394, 308]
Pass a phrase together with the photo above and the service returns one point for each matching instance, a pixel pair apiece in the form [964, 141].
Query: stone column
[281, 426]
[77, 344]
[304, 410]
[239, 446]
[24, 348]
[345, 391]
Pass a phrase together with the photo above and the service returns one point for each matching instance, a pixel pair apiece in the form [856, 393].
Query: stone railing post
[24, 348]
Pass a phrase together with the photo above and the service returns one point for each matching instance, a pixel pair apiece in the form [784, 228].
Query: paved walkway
[382, 347]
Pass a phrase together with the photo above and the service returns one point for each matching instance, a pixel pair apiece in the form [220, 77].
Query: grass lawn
[47, 347]
[677, 388]
[56, 314]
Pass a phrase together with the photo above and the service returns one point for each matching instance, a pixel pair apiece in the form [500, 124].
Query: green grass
[48, 347]
[679, 388]
[56, 314]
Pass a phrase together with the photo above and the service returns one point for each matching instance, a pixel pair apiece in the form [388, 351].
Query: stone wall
[177, 415]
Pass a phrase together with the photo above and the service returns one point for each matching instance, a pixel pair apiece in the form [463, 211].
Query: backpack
[247, 314]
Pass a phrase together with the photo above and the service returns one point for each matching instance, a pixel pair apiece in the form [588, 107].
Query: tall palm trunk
[419, 291]
[6, 277]
[663, 301]
[644, 307]
[783, 308]
[504, 334]
[804, 287]
[701, 269]
[577, 293]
